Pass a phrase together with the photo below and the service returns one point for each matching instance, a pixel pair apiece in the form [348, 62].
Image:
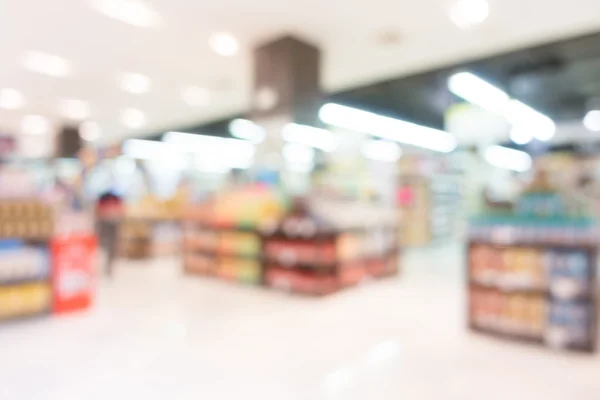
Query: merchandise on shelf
[532, 274]
[430, 208]
[320, 248]
[246, 237]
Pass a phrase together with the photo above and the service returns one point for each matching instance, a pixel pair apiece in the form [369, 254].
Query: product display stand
[532, 275]
[299, 252]
[232, 254]
[309, 255]
[26, 226]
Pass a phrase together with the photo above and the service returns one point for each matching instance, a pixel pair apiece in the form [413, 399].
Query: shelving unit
[532, 274]
[26, 226]
[430, 208]
[298, 252]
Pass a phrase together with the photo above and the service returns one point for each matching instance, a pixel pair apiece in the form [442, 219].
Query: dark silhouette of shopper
[109, 213]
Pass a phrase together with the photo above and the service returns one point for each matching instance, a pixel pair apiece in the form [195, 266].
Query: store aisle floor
[156, 334]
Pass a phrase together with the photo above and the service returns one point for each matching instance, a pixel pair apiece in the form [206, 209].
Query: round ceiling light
[133, 118]
[468, 13]
[224, 44]
[592, 121]
[135, 83]
[74, 109]
[11, 99]
[195, 96]
[35, 125]
[90, 131]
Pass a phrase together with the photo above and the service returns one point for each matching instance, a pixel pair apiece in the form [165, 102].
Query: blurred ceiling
[175, 53]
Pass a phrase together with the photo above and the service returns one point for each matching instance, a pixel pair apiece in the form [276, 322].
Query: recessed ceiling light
[46, 64]
[135, 83]
[132, 12]
[35, 125]
[74, 109]
[224, 44]
[90, 131]
[468, 13]
[133, 118]
[11, 99]
[195, 96]
[592, 120]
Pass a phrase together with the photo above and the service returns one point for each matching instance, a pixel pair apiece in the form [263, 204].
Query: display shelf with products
[315, 253]
[532, 273]
[26, 226]
[298, 251]
[430, 208]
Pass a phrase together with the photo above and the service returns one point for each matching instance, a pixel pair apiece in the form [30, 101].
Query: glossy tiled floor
[156, 334]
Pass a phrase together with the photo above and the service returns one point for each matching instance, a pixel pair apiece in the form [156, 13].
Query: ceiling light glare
[35, 125]
[90, 131]
[592, 121]
[387, 128]
[195, 96]
[247, 130]
[74, 109]
[46, 64]
[234, 153]
[309, 136]
[381, 150]
[224, 44]
[523, 116]
[521, 134]
[133, 118]
[476, 91]
[132, 12]
[11, 99]
[468, 13]
[135, 83]
[296, 153]
[503, 157]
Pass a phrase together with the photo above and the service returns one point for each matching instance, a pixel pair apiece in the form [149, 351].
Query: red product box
[73, 258]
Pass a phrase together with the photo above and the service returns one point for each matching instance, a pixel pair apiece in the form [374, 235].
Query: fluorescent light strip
[247, 130]
[234, 153]
[503, 157]
[477, 91]
[310, 136]
[485, 95]
[387, 128]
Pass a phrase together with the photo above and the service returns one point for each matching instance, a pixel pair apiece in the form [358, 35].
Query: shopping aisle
[156, 334]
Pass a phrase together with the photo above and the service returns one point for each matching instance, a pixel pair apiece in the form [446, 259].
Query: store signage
[73, 258]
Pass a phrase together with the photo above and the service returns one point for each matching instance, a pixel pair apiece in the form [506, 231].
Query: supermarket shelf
[527, 339]
[548, 244]
[506, 335]
[24, 281]
[25, 317]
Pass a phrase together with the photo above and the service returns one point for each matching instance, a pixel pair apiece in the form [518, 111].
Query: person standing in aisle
[109, 212]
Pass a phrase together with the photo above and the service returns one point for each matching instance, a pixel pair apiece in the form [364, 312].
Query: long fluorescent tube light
[310, 136]
[387, 128]
[477, 91]
[485, 95]
[248, 130]
[235, 153]
[503, 157]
